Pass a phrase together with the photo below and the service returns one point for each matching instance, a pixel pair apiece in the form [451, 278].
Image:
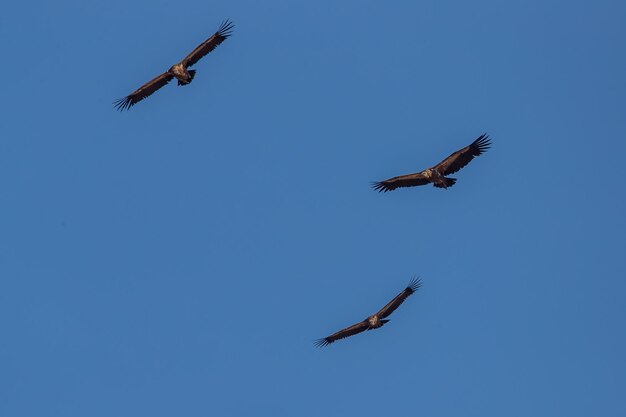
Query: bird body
[437, 178]
[375, 322]
[179, 72]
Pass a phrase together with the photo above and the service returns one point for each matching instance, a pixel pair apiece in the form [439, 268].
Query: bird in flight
[437, 174]
[178, 71]
[374, 321]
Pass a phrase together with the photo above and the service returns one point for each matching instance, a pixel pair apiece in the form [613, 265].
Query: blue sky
[179, 259]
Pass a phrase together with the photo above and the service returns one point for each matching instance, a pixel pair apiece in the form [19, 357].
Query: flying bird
[178, 71]
[437, 174]
[374, 321]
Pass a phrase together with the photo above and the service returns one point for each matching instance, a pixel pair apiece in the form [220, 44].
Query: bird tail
[192, 73]
[382, 322]
[449, 182]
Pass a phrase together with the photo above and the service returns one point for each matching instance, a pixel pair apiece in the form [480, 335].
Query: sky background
[180, 258]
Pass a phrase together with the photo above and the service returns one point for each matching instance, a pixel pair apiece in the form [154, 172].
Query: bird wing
[143, 92]
[409, 180]
[462, 157]
[399, 299]
[210, 44]
[347, 332]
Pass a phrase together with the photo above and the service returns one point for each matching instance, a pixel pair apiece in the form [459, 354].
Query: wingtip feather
[482, 143]
[379, 186]
[320, 343]
[415, 284]
[226, 29]
[123, 103]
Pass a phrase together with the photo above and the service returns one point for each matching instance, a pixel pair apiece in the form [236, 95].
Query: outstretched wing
[210, 44]
[399, 299]
[347, 332]
[409, 180]
[142, 92]
[462, 157]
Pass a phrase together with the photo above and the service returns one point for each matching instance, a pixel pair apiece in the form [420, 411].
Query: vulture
[437, 174]
[374, 321]
[178, 71]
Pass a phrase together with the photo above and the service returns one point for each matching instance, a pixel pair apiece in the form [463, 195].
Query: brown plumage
[178, 71]
[437, 174]
[374, 321]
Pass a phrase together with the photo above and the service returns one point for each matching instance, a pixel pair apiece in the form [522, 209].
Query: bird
[437, 175]
[178, 71]
[374, 321]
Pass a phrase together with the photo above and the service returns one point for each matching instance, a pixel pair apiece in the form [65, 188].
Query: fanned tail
[192, 73]
[449, 183]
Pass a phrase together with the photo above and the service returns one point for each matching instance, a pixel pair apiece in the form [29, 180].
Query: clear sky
[180, 258]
